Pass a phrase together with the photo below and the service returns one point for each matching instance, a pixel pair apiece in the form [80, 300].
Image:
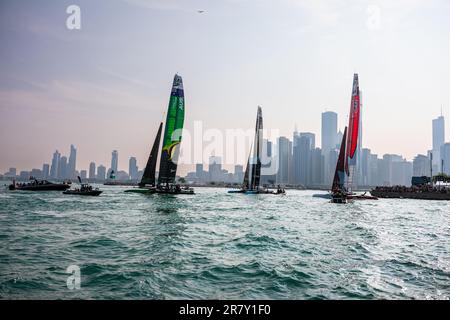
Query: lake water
[216, 245]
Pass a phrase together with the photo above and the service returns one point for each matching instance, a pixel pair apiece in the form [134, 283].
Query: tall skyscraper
[45, 171]
[101, 172]
[92, 171]
[114, 160]
[305, 146]
[71, 165]
[438, 141]
[329, 131]
[132, 168]
[55, 165]
[284, 159]
[329, 142]
[83, 174]
[62, 168]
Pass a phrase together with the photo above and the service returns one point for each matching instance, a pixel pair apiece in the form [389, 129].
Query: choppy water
[220, 246]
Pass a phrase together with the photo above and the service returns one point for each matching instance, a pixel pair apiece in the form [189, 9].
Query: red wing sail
[353, 126]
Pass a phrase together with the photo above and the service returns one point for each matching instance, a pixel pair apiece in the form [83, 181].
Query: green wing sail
[172, 133]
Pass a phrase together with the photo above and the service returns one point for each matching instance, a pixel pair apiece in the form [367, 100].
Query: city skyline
[64, 86]
[298, 162]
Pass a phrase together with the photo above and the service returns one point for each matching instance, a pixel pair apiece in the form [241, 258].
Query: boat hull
[93, 193]
[256, 192]
[174, 192]
[52, 187]
[141, 190]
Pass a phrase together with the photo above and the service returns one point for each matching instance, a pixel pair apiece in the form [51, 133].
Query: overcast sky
[107, 85]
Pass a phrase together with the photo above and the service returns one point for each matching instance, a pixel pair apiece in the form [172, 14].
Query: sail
[252, 176]
[353, 131]
[149, 172]
[339, 174]
[172, 133]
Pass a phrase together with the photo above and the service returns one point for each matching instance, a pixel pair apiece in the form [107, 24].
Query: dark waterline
[219, 246]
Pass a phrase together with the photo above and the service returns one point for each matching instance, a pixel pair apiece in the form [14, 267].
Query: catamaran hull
[256, 192]
[93, 193]
[174, 192]
[141, 190]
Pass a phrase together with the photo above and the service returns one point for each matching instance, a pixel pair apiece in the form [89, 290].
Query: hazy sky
[106, 86]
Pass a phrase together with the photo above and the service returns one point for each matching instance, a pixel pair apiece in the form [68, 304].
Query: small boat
[39, 185]
[252, 176]
[84, 190]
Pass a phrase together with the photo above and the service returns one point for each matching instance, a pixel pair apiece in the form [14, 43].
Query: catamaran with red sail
[346, 167]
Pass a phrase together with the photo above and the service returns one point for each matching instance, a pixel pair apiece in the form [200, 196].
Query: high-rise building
[329, 142]
[317, 163]
[55, 164]
[114, 161]
[438, 140]
[92, 171]
[238, 173]
[199, 173]
[215, 169]
[71, 165]
[132, 168]
[445, 156]
[304, 146]
[284, 160]
[329, 131]
[101, 172]
[62, 168]
[421, 166]
[268, 167]
[45, 171]
[83, 175]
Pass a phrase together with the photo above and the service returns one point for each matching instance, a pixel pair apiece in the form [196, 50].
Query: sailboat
[252, 176]
[346, 165]
[165, 184]
[338, 190]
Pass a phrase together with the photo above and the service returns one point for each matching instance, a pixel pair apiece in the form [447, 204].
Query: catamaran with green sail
[170, 150]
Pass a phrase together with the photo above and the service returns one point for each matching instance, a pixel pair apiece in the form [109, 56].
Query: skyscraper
[101, 172]
[445, 156]
[72, 163]
[421, 166]
[92, 171]
[132, 168]
[438, 140]
[329, 142]
[45, 171]
[215, 169]
[62, 168]
[55, 165]
[329, 131]
[284, 159]
[114, 160]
